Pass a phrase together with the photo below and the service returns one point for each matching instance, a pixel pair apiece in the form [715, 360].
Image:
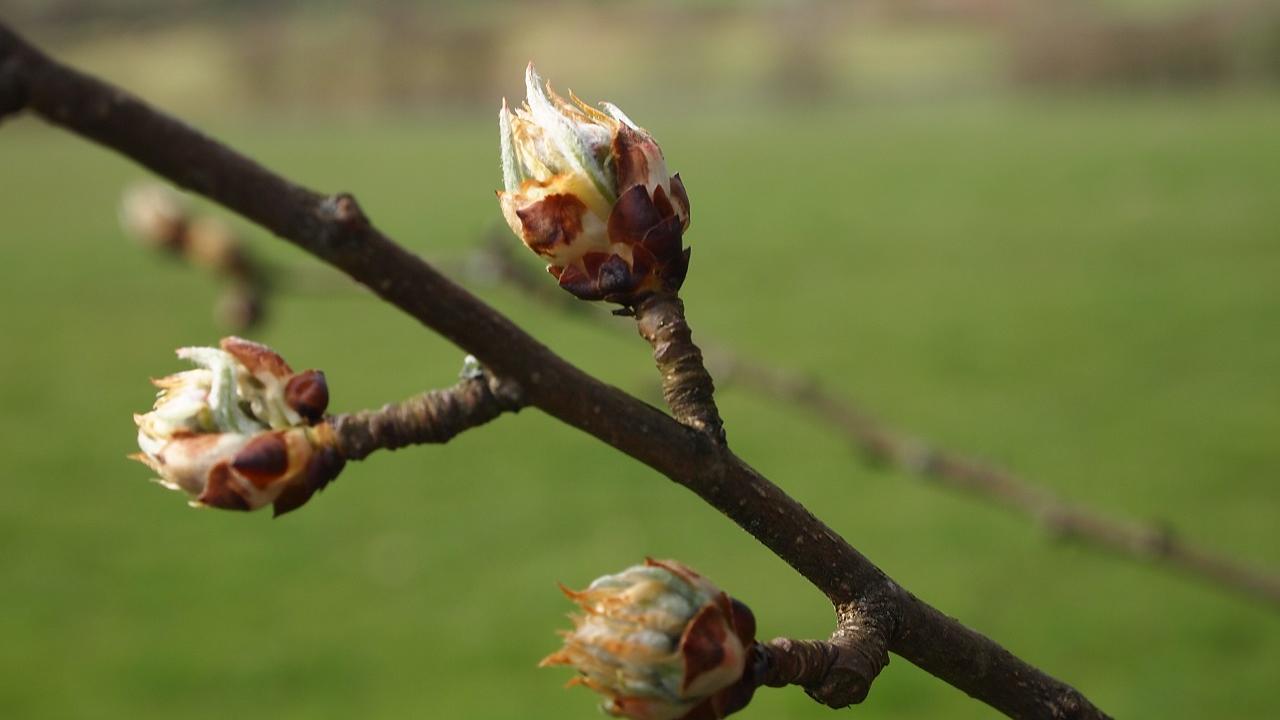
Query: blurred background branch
[160, 219]
[496, 260]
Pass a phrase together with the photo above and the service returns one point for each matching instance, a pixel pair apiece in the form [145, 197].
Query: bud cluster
[588, 190]
[661, 642]
[240, 431]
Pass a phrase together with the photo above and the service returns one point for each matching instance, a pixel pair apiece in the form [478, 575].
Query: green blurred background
[1047, 238]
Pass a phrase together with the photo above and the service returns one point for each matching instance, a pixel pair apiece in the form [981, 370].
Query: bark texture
[686, 385]
[432, 417]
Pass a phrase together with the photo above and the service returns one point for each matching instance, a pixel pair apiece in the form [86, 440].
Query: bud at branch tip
[660, 642]
[588, 190]
[240, 431]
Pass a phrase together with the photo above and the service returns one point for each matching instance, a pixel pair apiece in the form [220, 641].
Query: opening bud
[588, 190]
[240, 431]
[660, 642]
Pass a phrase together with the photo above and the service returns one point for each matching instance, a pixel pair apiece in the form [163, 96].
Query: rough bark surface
[686, 385]
[432, 417]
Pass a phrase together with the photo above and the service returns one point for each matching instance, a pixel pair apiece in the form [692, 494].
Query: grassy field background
[1084, 290]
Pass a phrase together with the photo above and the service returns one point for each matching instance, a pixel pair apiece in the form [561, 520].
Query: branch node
[342, 213]
[507, 393]
[837, 672]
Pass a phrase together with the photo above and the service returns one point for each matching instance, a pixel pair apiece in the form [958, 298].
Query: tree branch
[436, 416]
[335, 230]
[686, 385]
[836, 672]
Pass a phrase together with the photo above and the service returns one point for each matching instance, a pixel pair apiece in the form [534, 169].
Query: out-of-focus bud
[160, 218]
[589, 191]
[240, 307]
[241, 431]
[660, 642]
[154, 215]
[211, 243]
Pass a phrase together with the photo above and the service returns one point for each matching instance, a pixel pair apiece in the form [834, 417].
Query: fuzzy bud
[155, 215]
[240, 431]
[212, 244]
[588, 190]
[660, 642]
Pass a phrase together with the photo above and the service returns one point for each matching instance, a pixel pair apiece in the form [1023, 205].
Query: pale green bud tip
[513, 173]
[572, 138]
[617, 114]
[659, 641]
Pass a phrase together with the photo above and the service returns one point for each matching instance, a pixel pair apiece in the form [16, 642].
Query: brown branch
[335, 230]
[432, 417]
[686, 385]
[836, 672]
[1158, 544]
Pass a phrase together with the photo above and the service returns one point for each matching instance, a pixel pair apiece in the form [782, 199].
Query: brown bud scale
[308, 394]
[256, 357]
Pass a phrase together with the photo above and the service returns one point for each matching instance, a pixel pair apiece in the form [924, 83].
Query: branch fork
[837, 672]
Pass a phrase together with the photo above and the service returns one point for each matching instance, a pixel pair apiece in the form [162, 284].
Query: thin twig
[686, 385]
[334, 229]
[436, 416]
